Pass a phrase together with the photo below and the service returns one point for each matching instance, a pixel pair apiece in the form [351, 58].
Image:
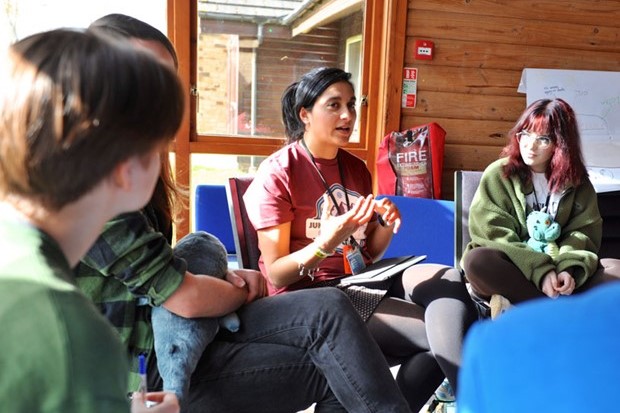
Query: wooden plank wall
[481, 48]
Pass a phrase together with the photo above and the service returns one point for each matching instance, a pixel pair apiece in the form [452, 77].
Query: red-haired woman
[541, 169]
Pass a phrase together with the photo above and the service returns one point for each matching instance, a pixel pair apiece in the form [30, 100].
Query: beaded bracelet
[303, 271]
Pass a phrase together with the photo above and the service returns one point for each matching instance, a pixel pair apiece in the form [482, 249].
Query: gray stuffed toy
[179, 341]
[205, 254]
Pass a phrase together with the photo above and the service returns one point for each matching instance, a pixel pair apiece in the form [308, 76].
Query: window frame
[356, 75]
[383, 45]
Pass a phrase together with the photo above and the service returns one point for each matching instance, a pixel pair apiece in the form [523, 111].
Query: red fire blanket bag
[410, 163]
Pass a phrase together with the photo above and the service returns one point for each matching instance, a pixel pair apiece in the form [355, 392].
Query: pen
[142, 372]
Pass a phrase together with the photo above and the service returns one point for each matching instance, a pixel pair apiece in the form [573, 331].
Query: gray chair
[465, 185]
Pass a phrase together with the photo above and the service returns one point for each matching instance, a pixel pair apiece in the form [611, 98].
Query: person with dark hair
[142, 33]
[312, 205]
[178, 341]
[75, 153]
[280, 360]
[541, 169]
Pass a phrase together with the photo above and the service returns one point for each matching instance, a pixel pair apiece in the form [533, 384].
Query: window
[353, 65]
[235, 109]
[247, 53]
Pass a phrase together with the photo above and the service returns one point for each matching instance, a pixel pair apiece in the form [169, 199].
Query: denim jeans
[293, 350]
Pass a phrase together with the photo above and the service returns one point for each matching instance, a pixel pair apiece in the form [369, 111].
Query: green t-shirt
[57, 353]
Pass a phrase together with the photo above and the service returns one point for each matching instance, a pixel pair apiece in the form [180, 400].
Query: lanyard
[352, 240]
[327, 187]
[546, 207]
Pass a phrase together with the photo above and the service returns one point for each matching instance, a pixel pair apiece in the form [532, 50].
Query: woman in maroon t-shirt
[312, 205]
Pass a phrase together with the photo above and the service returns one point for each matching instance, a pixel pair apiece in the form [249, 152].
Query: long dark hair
[556, 119]
[127, 27]
[303, 94]
[168, 198]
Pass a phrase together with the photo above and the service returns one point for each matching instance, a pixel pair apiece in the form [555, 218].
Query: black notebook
[383, 269]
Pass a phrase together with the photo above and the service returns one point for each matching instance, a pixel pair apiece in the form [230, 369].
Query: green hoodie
[497, 220]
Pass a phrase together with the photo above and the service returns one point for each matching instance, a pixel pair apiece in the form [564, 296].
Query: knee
[446, 282]
[429, 275]
[328, 303]
[334, 298]
[451, 274]
[475, 261]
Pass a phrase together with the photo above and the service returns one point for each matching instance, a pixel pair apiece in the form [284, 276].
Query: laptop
[383, 270]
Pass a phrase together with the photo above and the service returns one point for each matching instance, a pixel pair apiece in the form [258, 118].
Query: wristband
[321, 253]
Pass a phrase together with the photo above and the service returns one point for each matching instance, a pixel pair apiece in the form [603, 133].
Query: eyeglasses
[526, 138]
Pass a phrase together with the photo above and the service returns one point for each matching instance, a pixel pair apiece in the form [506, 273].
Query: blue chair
[427, 229]
[212, 215]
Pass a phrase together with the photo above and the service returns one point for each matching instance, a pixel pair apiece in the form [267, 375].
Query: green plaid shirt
[129, 269]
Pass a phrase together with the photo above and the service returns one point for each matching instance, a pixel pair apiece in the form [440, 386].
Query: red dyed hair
[556, 119]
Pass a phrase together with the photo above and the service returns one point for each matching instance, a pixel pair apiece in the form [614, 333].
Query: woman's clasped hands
[556, 284]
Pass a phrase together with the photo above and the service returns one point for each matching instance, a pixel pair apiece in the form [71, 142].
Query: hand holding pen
[165, 402]
[156, 402]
